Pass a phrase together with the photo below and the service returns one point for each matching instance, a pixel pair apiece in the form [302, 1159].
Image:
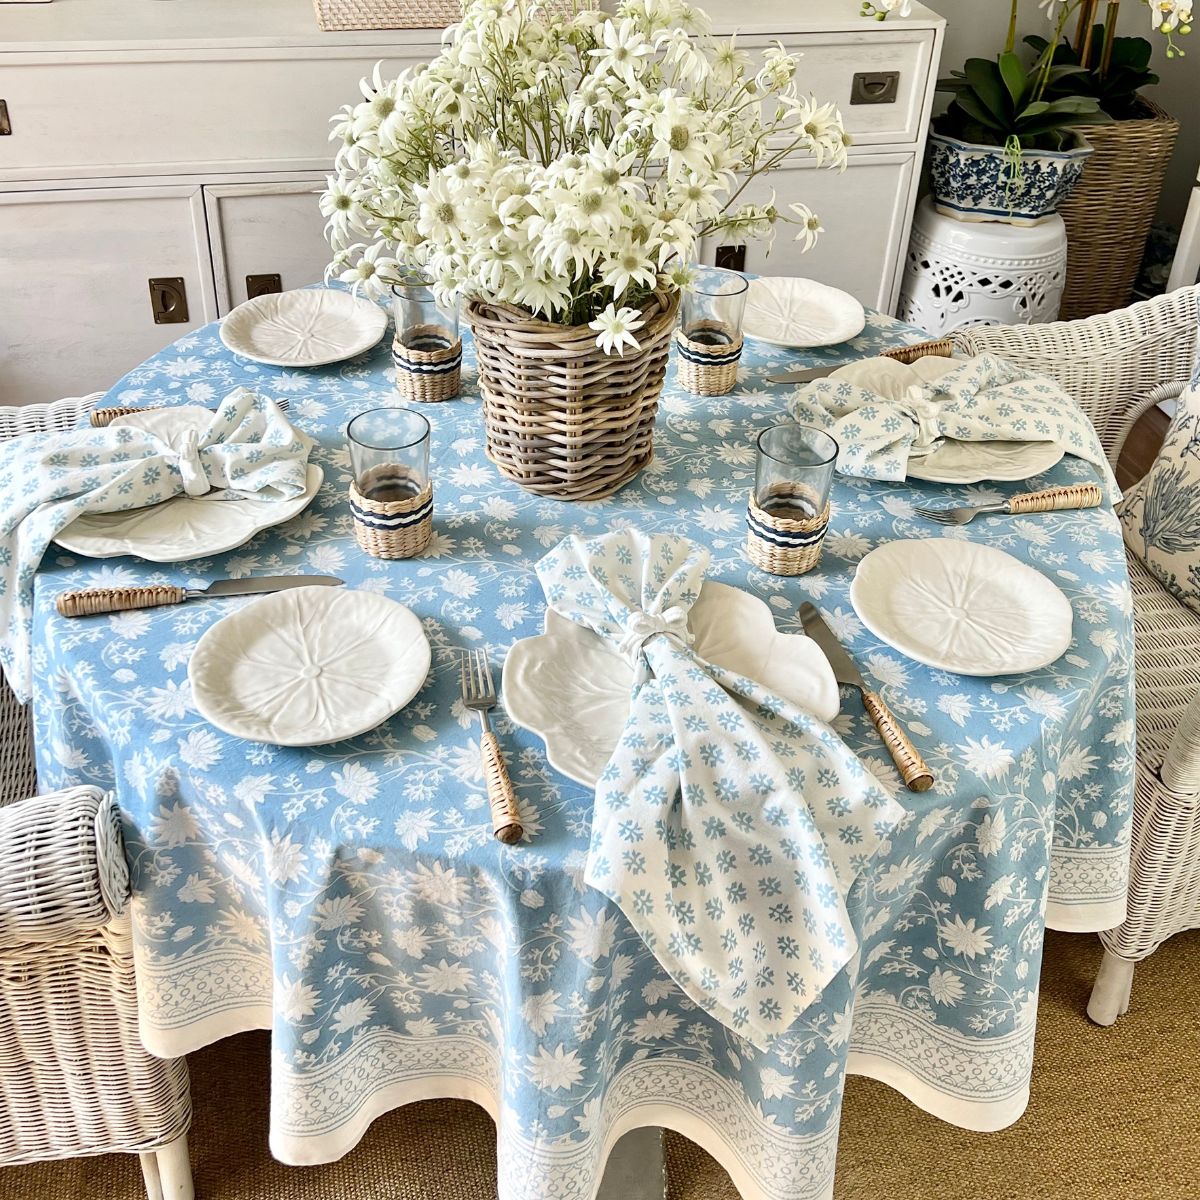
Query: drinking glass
[793, 473]
[389, 454]
[711, 311]
[422, 323]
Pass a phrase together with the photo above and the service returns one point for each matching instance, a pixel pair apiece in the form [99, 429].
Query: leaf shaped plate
[961, 607]
[572, 689]
[308, 327]
[799, 313]
[951, 461]
[183, 527]
[309, 666]
[974, 462]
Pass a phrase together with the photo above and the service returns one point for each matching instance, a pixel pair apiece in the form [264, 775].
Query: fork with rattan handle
[93, 601]
[1081, 495]
[479, 695]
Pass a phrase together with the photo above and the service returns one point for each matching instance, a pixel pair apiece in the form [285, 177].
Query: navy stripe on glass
[709, 360]
[399, 521]
[777, 537]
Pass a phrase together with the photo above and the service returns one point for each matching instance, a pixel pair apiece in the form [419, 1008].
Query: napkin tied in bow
[729, 825]
[884, 412]
[47, 480]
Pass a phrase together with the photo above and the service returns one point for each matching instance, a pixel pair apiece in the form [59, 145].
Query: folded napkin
[47, 480]
[729, 825]
[883, 412]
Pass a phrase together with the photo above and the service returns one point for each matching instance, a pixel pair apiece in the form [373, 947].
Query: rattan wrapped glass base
[392, 528]
[427, 376]
[784, 545]
[705, 369]
[562, 418]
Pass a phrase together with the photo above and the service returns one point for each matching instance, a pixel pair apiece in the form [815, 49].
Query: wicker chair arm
[1181, 766]
[62, 867]
[1114, 364]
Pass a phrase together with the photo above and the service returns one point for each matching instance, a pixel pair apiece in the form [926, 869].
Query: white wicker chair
[74, 1076]
[1117, 365]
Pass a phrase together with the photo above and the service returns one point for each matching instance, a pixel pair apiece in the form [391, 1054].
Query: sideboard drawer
[865, 213]
[830, 62]
[91, 114]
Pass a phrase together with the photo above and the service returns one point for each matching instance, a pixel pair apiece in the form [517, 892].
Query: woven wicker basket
[386, 14]
[407, 14]
[564, 419]
[1108, 215]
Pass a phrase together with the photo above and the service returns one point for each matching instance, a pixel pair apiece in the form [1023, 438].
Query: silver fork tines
[958, 516]
[478, 690]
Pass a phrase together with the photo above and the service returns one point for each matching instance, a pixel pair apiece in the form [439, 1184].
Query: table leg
[636, 1168]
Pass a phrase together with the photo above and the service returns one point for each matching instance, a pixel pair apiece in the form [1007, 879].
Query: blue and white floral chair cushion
[1161, 515]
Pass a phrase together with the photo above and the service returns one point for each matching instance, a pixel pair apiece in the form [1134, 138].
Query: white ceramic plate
[309, 666]
[183, 527]
[800, 313]
[571, 689]
[309, 327]
[961, 607]
[975, 462]
[952, 461]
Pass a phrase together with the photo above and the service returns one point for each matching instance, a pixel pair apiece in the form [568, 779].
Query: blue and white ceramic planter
[977, 183]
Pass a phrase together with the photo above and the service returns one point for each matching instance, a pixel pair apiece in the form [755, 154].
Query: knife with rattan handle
[94, 601]
[916, 775]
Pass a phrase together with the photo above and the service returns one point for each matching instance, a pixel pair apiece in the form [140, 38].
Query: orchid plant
[568, 162]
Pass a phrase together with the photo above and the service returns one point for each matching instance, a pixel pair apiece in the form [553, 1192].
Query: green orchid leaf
[1013, 74]
[970, 103]
[988, 86]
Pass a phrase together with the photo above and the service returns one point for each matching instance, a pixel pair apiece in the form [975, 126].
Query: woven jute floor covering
[1115, 1115]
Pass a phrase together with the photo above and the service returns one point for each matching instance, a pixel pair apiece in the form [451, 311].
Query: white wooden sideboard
[184, 142]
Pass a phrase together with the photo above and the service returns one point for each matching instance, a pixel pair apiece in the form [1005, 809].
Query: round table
[351, 898]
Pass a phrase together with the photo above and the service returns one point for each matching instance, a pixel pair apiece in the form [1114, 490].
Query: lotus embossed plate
[309, 327]
[309, 666]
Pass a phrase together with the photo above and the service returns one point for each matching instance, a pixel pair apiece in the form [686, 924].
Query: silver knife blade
[844, 669]
[808, 375]
[252, 586]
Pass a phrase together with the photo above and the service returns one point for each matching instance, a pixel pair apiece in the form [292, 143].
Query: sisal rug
[1115, 1115]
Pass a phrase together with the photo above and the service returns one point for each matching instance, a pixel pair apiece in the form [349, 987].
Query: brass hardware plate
[5, 123]
[168, 301]
[875, 87]
[731, 258]
[262, 285]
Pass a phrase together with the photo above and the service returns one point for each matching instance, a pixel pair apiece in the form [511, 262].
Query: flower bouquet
[555, 170]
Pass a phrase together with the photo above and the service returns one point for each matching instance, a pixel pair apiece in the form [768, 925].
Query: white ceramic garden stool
[961, 273]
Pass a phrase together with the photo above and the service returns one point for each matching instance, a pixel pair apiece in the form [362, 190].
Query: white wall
[976, 28]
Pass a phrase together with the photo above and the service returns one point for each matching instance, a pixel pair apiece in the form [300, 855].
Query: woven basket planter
[564, 419]
[403, 14]
[387, 14]
[1108, 216]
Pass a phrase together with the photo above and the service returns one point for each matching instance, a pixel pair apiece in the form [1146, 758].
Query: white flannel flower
[810, 225]
[563, 162]
[615, 329]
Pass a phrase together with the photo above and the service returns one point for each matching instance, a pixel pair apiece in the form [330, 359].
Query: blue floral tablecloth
[351, 898]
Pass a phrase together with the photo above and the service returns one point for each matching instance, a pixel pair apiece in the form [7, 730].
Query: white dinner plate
[961, 607]
[309, 666]
[183, 527]
[309, 327]
[953, 461]
[977, 462]
[571, 688]
[800, 313]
